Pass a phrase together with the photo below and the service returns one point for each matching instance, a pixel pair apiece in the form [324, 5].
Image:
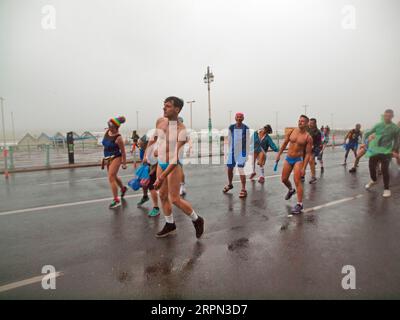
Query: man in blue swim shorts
[299, 140]
[239, 143]
[171, 137]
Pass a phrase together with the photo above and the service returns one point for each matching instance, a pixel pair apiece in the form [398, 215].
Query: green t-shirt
[387, 139]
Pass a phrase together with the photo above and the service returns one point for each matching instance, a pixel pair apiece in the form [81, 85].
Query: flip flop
[227, 188]
[243, 194]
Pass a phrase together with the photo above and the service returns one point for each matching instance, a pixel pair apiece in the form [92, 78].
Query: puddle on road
[238, 244]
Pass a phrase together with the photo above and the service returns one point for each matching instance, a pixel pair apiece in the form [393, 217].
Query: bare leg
[163, 192]
[286, 171]
[119, 182]
[230, 175]
[297, 180]
[154, 197]
[242, 178]
[174, 180]
[112, 175]
[312, 166]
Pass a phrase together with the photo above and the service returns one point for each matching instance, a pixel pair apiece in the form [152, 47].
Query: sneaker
[123, 191]
[169, 228]
[297, 209]
[115, 204]
[143, 200]
[261, 179]
[182, 191]
[313, 180]
[370, 184]
[353, 170]
[199, 226]
[386, 193]
[154, 212]
[290, 194]
[303, 179]
[344, 164]
[252, 176]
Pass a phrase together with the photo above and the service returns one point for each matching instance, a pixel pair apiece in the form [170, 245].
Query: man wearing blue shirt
[239, 141]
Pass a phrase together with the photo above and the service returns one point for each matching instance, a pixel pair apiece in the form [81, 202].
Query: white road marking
[332, 203]
[329, 204]
[27, 282]
[63, 205]
[81, 180]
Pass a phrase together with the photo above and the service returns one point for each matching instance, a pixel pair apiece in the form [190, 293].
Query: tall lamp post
[305, 109]
[191, 119]
[4, 139]
[276, 127]
[137, 121]
[208, 78]
[13, 127]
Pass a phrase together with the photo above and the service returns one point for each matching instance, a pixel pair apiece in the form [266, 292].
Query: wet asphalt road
[251, 249]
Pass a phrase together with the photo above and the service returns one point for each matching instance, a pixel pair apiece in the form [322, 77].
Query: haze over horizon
[109, 58]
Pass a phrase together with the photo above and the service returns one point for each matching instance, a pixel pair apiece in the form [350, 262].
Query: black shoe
[353, 170]
[313, 180]
[303, 179]
[169, 228]
[123, 191]
[143, 200]
[322, 169]
[290, 194]
[199, 226]
[297, 209]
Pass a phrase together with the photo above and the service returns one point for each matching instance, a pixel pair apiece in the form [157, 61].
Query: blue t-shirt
[238, 139]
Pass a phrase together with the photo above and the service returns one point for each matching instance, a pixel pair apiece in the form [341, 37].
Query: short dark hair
[178, 102]
[389, 111]
[305, 117]
[313, 119]
[268, 128]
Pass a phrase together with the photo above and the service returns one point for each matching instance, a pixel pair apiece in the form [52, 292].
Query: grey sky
[109, 58]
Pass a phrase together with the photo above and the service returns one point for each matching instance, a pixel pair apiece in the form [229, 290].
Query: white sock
[300, 203]
[262, 171]
[170, 218]
[194, 216]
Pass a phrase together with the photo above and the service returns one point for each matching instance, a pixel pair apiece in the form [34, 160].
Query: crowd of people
[304, 146]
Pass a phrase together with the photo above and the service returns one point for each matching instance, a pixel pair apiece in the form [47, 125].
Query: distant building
[88, 139]
[27, 142]
[58, 139]
[44, 139]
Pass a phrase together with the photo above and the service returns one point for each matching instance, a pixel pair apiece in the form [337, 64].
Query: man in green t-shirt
[382, 148]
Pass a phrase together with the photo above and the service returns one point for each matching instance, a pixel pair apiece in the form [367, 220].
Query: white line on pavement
[27, 282]
[63, 205]
[332, 203]
[80, 180]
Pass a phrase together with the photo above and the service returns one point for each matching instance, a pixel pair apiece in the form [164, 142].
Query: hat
[117, 121]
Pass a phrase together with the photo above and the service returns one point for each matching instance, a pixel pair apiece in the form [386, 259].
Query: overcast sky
[108, 58]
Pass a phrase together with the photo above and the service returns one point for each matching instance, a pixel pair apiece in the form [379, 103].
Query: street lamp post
[4, 139]
[191, 119]
[13, 127]
[305, 109]
[276, 127]
[137, 121]
[333, 135]
[208, 78]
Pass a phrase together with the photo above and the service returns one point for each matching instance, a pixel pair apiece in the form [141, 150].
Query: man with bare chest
[171, 137]
[299, 140]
